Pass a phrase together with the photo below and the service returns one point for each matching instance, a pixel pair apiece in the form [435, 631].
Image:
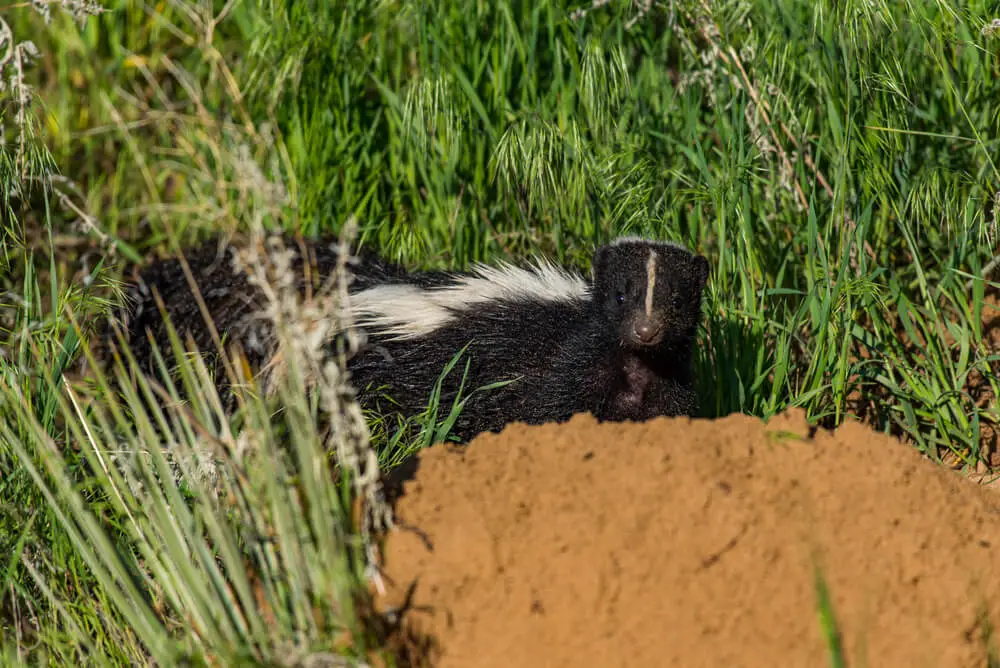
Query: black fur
[231, 300]
[580, 354]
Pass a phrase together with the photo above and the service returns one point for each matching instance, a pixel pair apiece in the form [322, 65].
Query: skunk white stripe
[406, 311]
[543, 281]
[650, 281]
[398, 310]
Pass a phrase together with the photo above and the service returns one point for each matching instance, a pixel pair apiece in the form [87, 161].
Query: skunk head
[648, 293]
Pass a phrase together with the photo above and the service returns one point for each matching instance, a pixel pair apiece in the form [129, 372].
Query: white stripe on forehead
[650, 281]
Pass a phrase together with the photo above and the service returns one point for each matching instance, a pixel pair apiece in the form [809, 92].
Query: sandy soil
[693, 543]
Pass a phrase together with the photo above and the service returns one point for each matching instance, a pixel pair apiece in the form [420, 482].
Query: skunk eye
[620, 298]
[676, 301]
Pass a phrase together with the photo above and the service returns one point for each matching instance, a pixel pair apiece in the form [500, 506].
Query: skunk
[534, 343]
[618, 346]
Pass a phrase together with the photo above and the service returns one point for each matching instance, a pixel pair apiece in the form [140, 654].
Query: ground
[694, 542]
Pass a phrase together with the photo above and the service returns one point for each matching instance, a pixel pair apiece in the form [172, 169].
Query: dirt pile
[694, 543]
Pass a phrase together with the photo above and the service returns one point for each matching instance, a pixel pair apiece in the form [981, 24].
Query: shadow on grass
[735, 368]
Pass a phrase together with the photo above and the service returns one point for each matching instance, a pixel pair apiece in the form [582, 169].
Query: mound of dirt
[693, 543]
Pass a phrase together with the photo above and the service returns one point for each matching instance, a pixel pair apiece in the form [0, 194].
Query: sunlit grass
[836, 161]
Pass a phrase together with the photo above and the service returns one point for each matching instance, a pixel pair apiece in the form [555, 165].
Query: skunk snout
[646, 330]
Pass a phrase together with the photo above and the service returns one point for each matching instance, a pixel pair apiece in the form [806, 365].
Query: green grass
[836, 161]
[828, 620]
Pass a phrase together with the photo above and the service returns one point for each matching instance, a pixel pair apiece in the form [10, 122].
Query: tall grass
[836, 161]
[212, 545]
[843, 196]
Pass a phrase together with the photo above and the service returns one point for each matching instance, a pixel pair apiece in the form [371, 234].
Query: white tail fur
[407, 311]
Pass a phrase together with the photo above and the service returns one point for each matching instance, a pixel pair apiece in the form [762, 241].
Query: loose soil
[692, 543]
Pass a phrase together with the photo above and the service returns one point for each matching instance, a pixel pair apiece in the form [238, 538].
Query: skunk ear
[602, 259]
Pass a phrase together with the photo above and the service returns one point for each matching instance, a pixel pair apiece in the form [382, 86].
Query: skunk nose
[645, 330]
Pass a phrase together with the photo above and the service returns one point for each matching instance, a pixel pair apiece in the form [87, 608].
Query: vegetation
[836, 161]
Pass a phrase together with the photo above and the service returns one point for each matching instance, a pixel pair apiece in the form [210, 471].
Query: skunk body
[550, 343]
[618, 346]
[233, 303]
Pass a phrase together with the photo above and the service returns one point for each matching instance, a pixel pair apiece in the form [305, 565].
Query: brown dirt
[692, 542]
